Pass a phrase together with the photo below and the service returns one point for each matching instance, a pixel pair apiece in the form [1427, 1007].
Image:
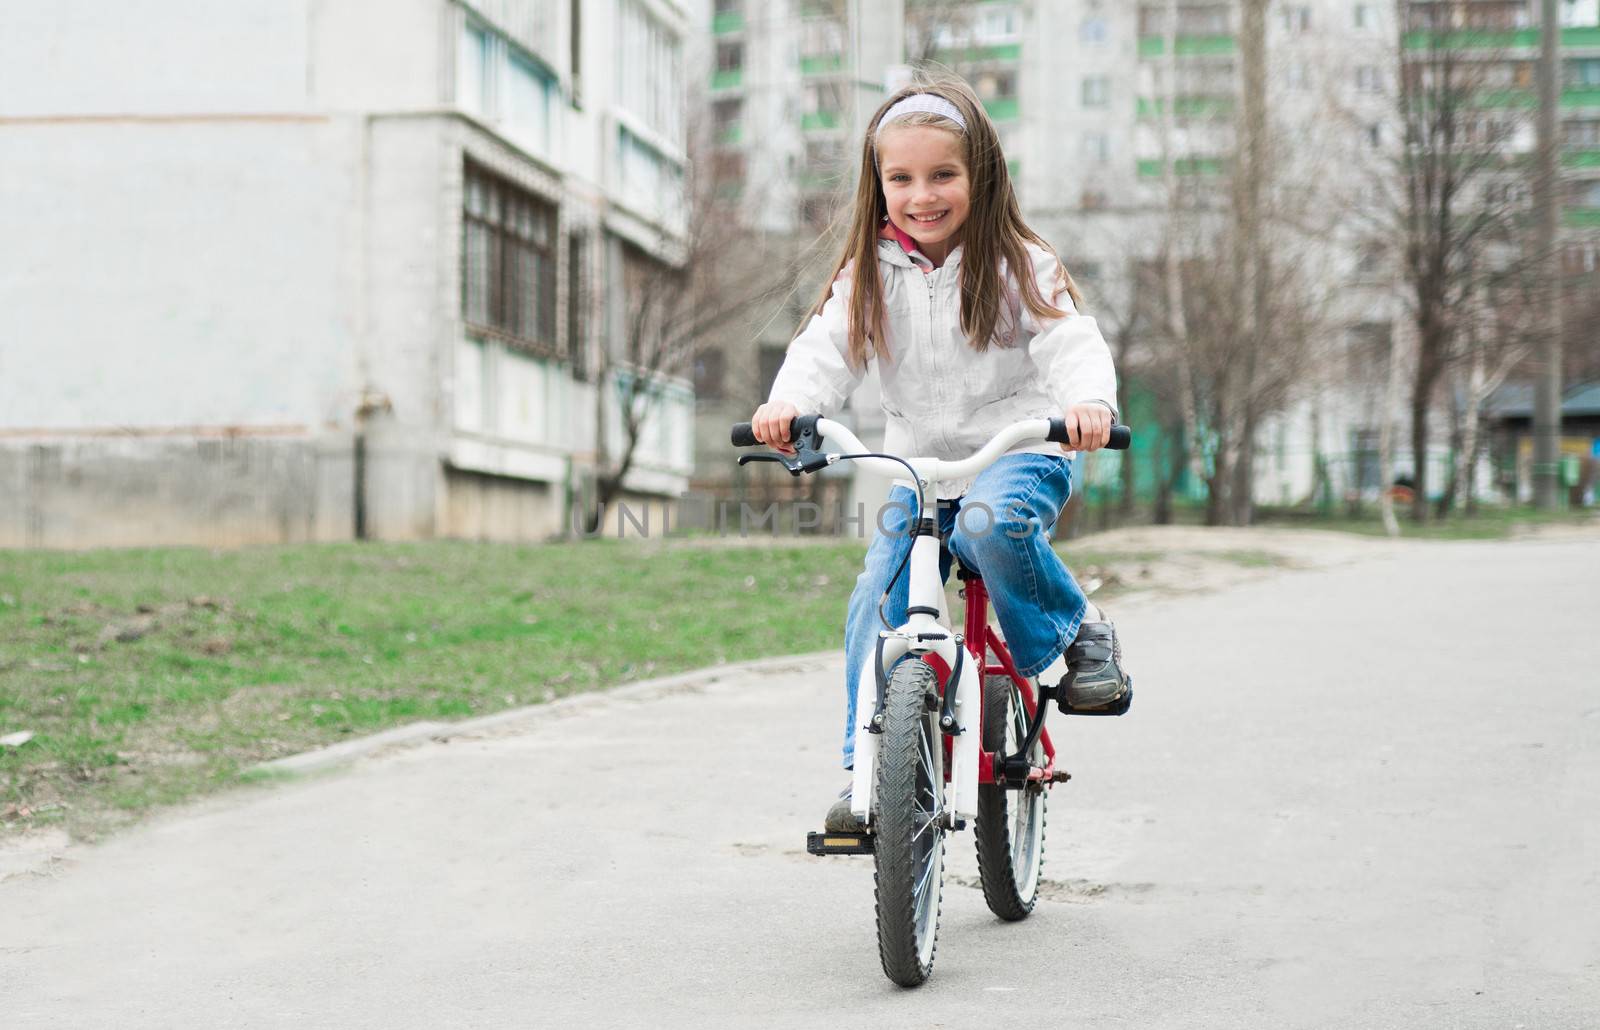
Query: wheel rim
[1024, 807]
[928, 842]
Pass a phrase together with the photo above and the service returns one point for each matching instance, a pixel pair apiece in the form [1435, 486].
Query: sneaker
[840, 819]
[1095, 660]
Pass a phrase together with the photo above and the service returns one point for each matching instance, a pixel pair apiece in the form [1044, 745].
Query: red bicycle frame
[980, 640]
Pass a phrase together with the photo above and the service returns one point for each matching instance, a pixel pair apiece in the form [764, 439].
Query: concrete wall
[149, 491]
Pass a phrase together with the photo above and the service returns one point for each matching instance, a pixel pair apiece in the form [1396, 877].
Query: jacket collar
[898, 248]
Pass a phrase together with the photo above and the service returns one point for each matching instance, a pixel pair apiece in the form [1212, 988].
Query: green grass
[151, 676]
[1490, 523]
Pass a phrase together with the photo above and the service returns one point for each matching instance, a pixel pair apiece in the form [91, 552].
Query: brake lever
[792, 464]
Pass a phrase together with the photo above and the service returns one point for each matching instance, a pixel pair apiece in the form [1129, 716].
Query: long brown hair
[994, 231]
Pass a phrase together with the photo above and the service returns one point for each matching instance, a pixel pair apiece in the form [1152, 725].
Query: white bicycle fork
[922, 634]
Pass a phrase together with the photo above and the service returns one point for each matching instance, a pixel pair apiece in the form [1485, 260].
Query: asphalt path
[1365, 796]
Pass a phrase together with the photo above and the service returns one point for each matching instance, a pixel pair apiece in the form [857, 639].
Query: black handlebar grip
[1121, 436]
[744, 435]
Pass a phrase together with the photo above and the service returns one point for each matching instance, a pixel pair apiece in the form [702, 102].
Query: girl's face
[925, 181]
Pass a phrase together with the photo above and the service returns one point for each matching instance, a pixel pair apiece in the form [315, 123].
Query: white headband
[924, 103]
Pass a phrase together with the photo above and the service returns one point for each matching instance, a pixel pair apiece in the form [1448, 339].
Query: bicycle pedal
[1118, 707]
[839, 843]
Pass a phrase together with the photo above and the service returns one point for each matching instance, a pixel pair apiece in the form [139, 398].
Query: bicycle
[951, 737]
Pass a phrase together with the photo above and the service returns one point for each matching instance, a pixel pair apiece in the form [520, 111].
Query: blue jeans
[1002, 530]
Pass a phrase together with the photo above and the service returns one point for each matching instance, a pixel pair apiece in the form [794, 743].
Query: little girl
[974, 325]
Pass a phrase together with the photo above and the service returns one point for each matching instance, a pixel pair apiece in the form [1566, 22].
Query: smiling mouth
[928, 219]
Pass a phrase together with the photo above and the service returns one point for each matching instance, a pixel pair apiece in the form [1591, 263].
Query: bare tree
[932, 24]
[672, 299]
[1461, 137]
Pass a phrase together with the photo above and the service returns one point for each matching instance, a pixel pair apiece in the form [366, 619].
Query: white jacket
[944, 399]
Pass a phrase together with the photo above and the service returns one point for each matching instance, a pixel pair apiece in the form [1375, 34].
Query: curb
[348, 751]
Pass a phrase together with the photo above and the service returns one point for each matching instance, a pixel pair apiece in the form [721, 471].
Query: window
[1093, 199]
[1580, 14]
[577, 304]
[1586, 194]
[1374, 136]
[1583, 134]
[649, 63]
[1096, 147]
[996, 85]
[825, 98]
[1296, 19]
[1363, 16]
[474, 84]
[507, 88]
[771, 360]
[1584, 72]
[648, 180]
[710, 367]
[998, 25]
[1092, 32]
[729, 6]
[730, 57]
[530, 106]
[1368, 79]
[508, 269]
[726, 119]
[1508, 193]
[1096, 91]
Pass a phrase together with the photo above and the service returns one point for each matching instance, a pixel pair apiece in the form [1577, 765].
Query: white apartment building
[316, 269]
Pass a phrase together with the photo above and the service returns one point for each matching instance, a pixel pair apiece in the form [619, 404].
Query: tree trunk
[1421, 395]
[1391, 397]
[1447, 498]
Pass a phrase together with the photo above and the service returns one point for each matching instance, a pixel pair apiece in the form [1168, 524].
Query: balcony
[1581, 218]
[1186, 107]
[1150, 168]
[1491, 39]
[1188, 46]
[815, 120]
[1572, 97]
[727, 78]
[727, 22]
[821, 64]
[1003, 109]
[979, 54]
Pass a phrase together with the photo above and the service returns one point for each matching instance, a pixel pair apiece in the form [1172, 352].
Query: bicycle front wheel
[1010, 824]
[908, 810]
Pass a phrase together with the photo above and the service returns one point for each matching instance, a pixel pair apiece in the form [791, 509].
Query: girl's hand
[771, 423]
[1088, 427]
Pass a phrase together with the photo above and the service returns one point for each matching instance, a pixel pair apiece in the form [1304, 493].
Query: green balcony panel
[1002, 109]
[979, 54]
[1150, 168]
[1186, 107]
[731, 134]
[1581, 217]
[730, 78]
[819, 64]
[727, 21]
[1187, 46]
[1571, 98]
[1486, 39]
[1014, 167]
[820, 120]
[1581, 159]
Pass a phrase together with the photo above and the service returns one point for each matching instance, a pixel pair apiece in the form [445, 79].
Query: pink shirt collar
[890, 231]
